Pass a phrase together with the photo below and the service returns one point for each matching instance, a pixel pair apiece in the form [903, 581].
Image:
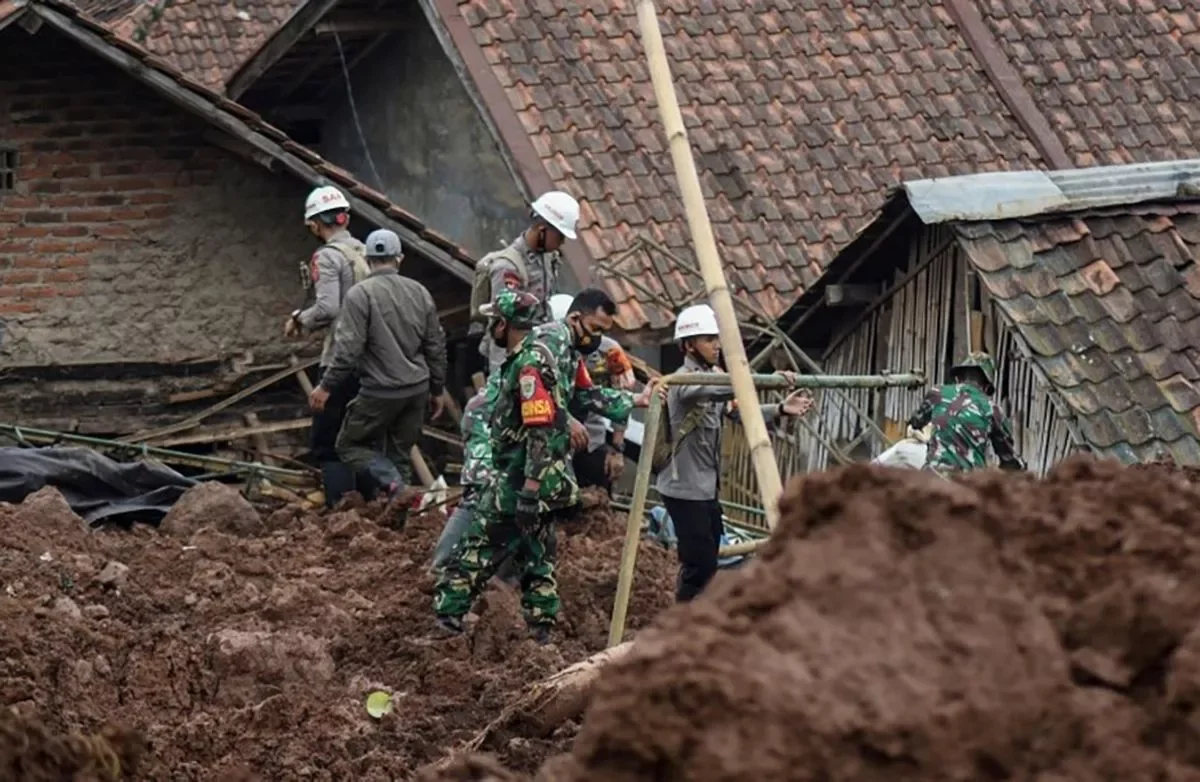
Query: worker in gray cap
[389, 330]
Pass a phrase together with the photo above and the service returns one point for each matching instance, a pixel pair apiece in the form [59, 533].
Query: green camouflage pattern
[543, 453]
[477, 468]
[981, 361]
[520, 309]
[965, 420]
[489, 540]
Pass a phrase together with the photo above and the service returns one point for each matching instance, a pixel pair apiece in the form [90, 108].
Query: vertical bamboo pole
[710, 263]
[633, 524]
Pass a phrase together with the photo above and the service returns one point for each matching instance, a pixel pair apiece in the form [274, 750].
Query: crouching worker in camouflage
[531, 453]
[477, 470]
[965, 420]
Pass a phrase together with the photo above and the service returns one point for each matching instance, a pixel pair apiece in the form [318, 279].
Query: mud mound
[242, 647]
[901, 627]
[31, 753]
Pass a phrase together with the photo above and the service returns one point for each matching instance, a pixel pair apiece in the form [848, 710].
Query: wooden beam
[195, 420]
[218, 434]
[841, 295]
[177, 93]
[239, 148]
[300, 23]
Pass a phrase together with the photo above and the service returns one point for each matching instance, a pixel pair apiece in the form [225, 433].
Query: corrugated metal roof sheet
[1007, 195]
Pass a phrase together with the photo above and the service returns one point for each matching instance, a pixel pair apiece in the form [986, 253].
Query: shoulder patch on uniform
[313, 269]
[537, 406]
[511, 280]
[583, 378]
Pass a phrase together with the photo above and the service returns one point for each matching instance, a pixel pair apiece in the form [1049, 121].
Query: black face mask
[500, 335]
[585, 341]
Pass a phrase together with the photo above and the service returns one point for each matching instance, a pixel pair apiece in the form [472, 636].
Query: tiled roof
[1108, 303]
[206, 39]
[801, 116]
[1118, 79]
[296, 160]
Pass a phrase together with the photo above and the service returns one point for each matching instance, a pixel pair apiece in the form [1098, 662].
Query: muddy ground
[236, 645]
[900, 627]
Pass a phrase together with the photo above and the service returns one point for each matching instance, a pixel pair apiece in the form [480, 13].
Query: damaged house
[1084, 286]
[151, 233]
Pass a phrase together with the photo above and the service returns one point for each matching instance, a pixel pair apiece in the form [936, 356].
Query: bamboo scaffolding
[710, 263]
[641, 486]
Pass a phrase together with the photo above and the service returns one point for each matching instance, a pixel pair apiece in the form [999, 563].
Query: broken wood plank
[219, 434]
[445, 437]
[420, 467]
[258, 438]
[195, 420]
[302, 377]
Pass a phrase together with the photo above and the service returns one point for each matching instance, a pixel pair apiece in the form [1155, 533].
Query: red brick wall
[129, 237]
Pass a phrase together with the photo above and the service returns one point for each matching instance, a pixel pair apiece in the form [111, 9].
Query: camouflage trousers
[488, 539]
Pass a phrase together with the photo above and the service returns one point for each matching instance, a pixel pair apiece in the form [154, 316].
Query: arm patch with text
[537, 406]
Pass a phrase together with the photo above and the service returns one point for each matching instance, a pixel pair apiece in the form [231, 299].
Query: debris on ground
[244, 645]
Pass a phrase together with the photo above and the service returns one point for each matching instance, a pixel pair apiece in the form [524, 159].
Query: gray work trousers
[378, 434]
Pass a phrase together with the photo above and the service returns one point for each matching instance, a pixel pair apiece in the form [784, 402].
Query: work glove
[528, 509]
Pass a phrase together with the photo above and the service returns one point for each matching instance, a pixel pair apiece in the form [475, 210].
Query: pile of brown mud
[903, 627]
[233, 645]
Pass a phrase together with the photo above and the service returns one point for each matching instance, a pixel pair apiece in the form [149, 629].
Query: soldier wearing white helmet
[531, 263]
[331, 272]
[689, 483]
[603, 460]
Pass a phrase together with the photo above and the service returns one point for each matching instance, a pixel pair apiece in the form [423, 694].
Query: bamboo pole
[761, 454]
[633, 523]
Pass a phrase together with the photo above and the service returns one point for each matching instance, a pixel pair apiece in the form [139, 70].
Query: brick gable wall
[129, 237]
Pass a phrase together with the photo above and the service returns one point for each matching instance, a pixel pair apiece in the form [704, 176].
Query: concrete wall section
[426, 137]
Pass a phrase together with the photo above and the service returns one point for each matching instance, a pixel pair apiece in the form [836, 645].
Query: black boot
[336, 479]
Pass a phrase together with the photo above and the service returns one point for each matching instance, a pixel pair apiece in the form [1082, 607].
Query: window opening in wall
[8, 169]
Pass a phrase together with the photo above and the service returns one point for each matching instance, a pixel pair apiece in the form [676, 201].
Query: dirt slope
[901, 627]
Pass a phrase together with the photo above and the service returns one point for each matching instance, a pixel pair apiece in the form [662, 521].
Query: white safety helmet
[558, 209]
[324, 199]
[559, 304]
[696, 321]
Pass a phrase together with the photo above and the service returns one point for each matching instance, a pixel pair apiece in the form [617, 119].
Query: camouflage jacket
[964, 421]
[477, 469]
[539, 383]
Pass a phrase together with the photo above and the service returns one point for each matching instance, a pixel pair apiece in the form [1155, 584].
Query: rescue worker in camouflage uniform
[337, 266]
[534, 484]
[531, 263]
[602, 460]
[477, 471]
[965, 420]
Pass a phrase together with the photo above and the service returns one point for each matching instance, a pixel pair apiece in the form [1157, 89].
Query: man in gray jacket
[690, 482]
[389, 330]
[330, 274]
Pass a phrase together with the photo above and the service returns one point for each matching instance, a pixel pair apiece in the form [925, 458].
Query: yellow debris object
[379, 703]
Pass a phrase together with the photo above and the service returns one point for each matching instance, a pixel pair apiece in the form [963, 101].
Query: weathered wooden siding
[1041, 434]
[932, 314]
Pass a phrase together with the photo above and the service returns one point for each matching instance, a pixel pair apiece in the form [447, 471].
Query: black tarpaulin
[96, 487]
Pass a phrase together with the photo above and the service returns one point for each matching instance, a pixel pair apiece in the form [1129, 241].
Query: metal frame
[633, 526]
